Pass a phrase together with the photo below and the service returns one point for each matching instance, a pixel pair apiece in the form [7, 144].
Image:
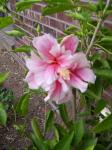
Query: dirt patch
[8, 135]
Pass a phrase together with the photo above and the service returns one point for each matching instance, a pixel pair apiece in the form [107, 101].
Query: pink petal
[70, 43]
[57, 94]
[78, 83]
[44, 44]
[50, 74]
[80, 61]
[30, 79]
[34, 63]
[56, 50]
[86, 74]
[65, 60]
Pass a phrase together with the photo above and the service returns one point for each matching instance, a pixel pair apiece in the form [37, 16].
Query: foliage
[6, 98]
[85, 132]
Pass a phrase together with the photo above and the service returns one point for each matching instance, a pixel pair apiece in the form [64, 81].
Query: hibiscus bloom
[58, 68]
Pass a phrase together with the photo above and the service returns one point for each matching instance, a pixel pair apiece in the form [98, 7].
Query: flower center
[65, 73]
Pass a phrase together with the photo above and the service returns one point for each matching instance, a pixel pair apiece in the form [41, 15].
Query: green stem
[97, 28]
[74, 104]
[103, 48]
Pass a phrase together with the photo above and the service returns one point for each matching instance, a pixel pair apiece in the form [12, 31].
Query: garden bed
[8, 135]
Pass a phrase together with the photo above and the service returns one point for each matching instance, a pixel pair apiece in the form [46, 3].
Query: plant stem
[74, 104]
[101, 47]
[54, 107]
[97, 28]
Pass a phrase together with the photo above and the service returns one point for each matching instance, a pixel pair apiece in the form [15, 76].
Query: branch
[97, 28]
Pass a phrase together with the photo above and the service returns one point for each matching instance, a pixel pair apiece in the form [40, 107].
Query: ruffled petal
[31, 80]
[80, 61]
[86, 74]
[58, 94]
[34, 63]
[55, 51]
[70, 42]
[50, 74]
[44, 44]
[77, 83]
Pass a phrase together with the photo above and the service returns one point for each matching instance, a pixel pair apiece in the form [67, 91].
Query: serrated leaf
[5, 21]
[106, 124]
[23, 48]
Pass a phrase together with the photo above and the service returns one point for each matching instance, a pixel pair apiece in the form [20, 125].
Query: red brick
[57, 24]
[27, 21]
[108, 25]
[36, 7]
[109, 17]
[49, 30]
[64, 17]
[45, 20]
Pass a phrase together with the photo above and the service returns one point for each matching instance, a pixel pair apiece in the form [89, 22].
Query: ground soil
[8, 135]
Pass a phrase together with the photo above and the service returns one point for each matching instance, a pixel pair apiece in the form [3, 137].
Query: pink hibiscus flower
[58, 68]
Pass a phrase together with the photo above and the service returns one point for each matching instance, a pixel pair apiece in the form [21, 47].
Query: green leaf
[99, 147]
[5, 21]
[3, 115]
[106, 39]
[99, 106]
[35, 128]
[49, 121]
[15, 33]
[48, 10]
[95, 90]
[65, 143]
[22, 106]
[64, 113]
[20, 128]
[58, 1]
[38, 29]
[23, 48]
[38, 91]
[79, 131]
[38, 143]
[77, 16]
[106, 73]
[61, 130]
[52, 143]
[106, 124]
[2, 9]
[91, 94]
[3, 77]
[90, 144]
[92, 6]
[24, 4]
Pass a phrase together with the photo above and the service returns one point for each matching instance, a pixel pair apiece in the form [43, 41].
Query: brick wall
[54, 24]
